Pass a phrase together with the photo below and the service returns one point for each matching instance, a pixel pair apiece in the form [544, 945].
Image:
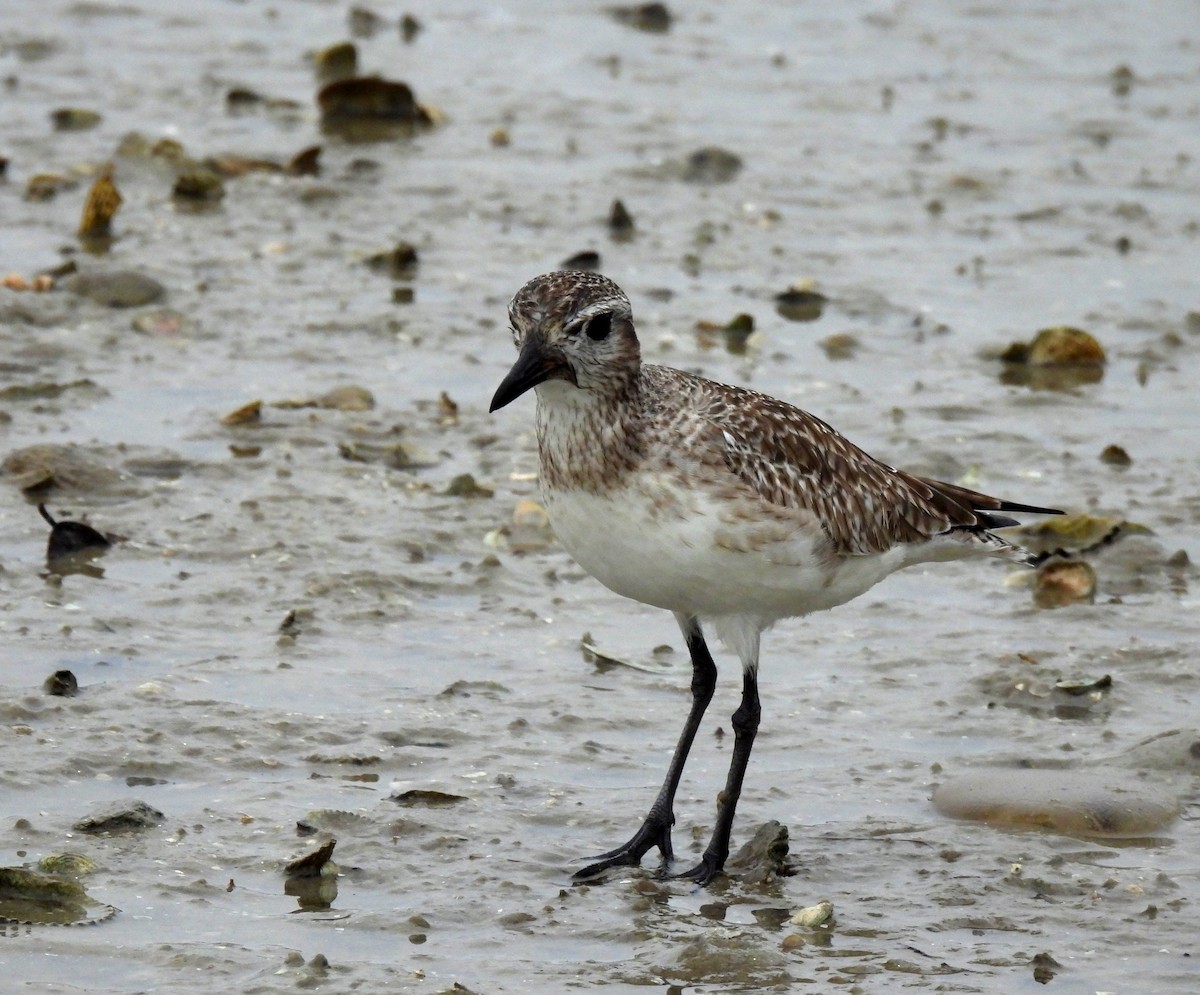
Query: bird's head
[570, 326]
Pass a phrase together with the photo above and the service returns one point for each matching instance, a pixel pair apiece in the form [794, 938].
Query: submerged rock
[367, 108]
[30, 898]
[1058, 358]
[1075, 802]
[1130, 795]
[39, 467]
[123, 817]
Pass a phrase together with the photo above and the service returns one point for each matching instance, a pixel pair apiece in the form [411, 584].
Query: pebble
[116, 288]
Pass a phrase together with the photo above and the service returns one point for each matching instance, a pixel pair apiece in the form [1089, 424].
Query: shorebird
[723, 505]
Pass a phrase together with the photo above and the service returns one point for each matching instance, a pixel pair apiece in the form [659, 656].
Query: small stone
[306, 162]
[400, 263]
[1122, 80]
[116, 288]
[620, 221]
[74, 119]
[364, 22]
[654, 18]
[410, 27]
[199, 185]
[586, 260]
[842, 345]
[337, 62]
[801, 302]
[465, 486]
[162, 321]
[711, 165]
[1115, 456]
[737, 334]
[44, 186]
[242, 98]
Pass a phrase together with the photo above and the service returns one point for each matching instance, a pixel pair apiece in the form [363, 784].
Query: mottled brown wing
[793, 459]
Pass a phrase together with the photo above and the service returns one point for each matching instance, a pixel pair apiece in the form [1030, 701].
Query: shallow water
[424, 656]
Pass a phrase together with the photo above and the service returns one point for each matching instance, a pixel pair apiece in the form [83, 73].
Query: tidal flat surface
[307, 623]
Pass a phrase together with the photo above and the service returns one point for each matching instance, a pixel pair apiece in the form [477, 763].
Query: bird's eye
[599, 327]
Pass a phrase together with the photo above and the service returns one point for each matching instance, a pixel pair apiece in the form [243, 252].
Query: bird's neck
[587, 438]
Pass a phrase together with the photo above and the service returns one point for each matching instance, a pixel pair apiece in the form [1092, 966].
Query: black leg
[745, 725]
[655, 831]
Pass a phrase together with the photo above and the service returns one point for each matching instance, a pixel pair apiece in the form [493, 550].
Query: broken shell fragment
[247, 414]
[814, 915]
[101, 206]
[74, 864]
[1064, 582]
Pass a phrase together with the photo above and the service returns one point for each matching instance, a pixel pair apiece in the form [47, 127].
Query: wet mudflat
[310, 625]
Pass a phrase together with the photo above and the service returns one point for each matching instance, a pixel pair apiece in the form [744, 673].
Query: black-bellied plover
[723, 505]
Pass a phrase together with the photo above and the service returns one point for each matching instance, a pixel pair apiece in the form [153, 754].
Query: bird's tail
[994, 544]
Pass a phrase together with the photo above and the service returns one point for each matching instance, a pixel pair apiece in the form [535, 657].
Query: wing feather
[793, 459]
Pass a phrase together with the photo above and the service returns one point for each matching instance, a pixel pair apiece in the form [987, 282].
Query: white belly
[686, 551]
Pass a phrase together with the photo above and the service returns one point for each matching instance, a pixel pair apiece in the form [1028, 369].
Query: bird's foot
[705, 872]
[654, 832]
